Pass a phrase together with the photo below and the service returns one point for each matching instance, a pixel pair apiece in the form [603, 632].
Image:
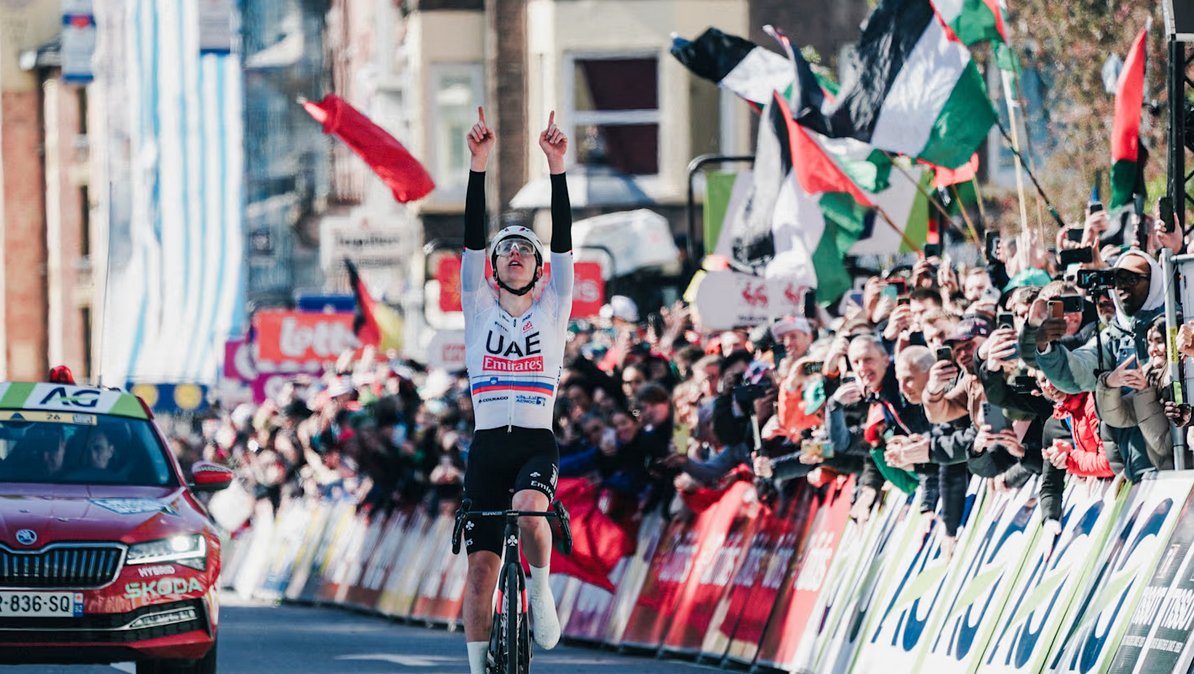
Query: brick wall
[24, 236]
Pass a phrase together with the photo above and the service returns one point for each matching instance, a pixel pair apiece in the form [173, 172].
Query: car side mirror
[209, 477]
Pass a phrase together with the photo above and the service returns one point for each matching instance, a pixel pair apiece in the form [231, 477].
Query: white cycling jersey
[514, 362]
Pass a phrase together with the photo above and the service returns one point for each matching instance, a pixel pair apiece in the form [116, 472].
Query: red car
[106, 555]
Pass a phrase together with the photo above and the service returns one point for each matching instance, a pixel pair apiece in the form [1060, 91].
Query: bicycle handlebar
[465, 513]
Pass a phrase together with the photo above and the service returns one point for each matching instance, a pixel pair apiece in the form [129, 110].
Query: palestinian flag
[1127, 161]
[376, 324]
[973, 21]
[803, 213]
[913, 89]
[750, 71]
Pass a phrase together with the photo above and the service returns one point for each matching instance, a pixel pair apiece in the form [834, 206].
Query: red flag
[598, 542]
[944, 177]
[401, 172]
[1126, 161]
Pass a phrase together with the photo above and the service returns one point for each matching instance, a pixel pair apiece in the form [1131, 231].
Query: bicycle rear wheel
[511, 614]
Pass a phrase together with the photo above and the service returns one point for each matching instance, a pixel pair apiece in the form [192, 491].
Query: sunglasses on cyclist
[523, 247]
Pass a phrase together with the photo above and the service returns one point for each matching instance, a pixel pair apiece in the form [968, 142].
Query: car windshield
[69, 448]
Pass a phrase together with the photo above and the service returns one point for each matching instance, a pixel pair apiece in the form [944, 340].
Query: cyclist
[514, 349]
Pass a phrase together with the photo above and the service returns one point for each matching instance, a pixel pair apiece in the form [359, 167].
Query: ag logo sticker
[86, 398]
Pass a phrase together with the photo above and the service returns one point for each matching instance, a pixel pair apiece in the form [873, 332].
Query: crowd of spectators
[926, 375]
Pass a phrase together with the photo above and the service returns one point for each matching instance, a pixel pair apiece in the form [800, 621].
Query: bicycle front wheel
[511, 618]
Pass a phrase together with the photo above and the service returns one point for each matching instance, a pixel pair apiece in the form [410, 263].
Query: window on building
[84, 221]
[615, 106]
[456, 91]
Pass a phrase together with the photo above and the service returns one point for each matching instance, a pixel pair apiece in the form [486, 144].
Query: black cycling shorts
[502, 463]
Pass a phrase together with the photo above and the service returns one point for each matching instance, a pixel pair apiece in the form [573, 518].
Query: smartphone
[932, 250]
[1072, 304]
[993, 417]
[1165, 208]
[1056, 309]
[903, 301]
[1071, 256]
[898, 283]
[1005, 319]
[945, 353]
[891, 292]
[812, 368]
[1074, 234]
[992, 243]
[810, 304]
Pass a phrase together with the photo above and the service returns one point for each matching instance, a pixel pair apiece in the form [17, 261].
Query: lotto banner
[726, 529]
[1120, 579]
[813, 543]
[1052, 575]
[1158, 638]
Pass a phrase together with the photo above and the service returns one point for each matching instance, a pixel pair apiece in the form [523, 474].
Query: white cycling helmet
[516, 232]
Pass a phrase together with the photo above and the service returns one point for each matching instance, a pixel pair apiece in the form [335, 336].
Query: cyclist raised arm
[514, 350]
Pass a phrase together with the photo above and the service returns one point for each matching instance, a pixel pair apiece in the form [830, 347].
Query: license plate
[41, 604]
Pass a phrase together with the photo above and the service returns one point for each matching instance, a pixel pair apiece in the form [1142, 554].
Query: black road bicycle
[510, 637]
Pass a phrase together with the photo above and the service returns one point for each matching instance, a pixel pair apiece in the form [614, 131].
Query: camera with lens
[1089, 279]
[746, 394]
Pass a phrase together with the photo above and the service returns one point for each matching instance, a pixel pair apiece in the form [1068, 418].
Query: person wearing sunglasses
[514, 336]
[1139, 295]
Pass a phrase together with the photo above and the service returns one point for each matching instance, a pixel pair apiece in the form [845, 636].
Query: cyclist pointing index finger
[514, 350]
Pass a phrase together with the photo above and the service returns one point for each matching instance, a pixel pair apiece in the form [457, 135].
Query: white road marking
[404, 660]
[126, 667]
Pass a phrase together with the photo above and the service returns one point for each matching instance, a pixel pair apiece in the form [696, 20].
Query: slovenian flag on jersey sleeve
[913, 88]
[1127, 172]
[973, 20]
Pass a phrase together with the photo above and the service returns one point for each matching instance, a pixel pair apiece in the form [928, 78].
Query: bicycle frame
[511, 651]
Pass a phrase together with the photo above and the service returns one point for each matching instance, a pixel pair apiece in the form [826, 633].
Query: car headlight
[185, 549]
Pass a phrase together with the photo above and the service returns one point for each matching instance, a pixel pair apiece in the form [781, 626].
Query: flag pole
[920, 188]
[982, 212]
[962, 207]
[1012, 104]
[903, 236]
[1048, 204]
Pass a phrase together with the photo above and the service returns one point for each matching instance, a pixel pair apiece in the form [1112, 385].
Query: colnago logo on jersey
[495, 364]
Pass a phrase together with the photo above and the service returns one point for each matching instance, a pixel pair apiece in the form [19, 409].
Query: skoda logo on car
[26, 537]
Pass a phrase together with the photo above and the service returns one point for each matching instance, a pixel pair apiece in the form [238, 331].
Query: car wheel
[204, 665]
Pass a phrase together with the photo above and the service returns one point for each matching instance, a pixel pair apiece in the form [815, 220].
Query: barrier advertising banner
[1052, 574]
[1158, 638]
[828, 642]
[1115, 588]
[810, 548]
[669, 568]
[638, 567]
[727, 529]
[754, 591]
[986, 569]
